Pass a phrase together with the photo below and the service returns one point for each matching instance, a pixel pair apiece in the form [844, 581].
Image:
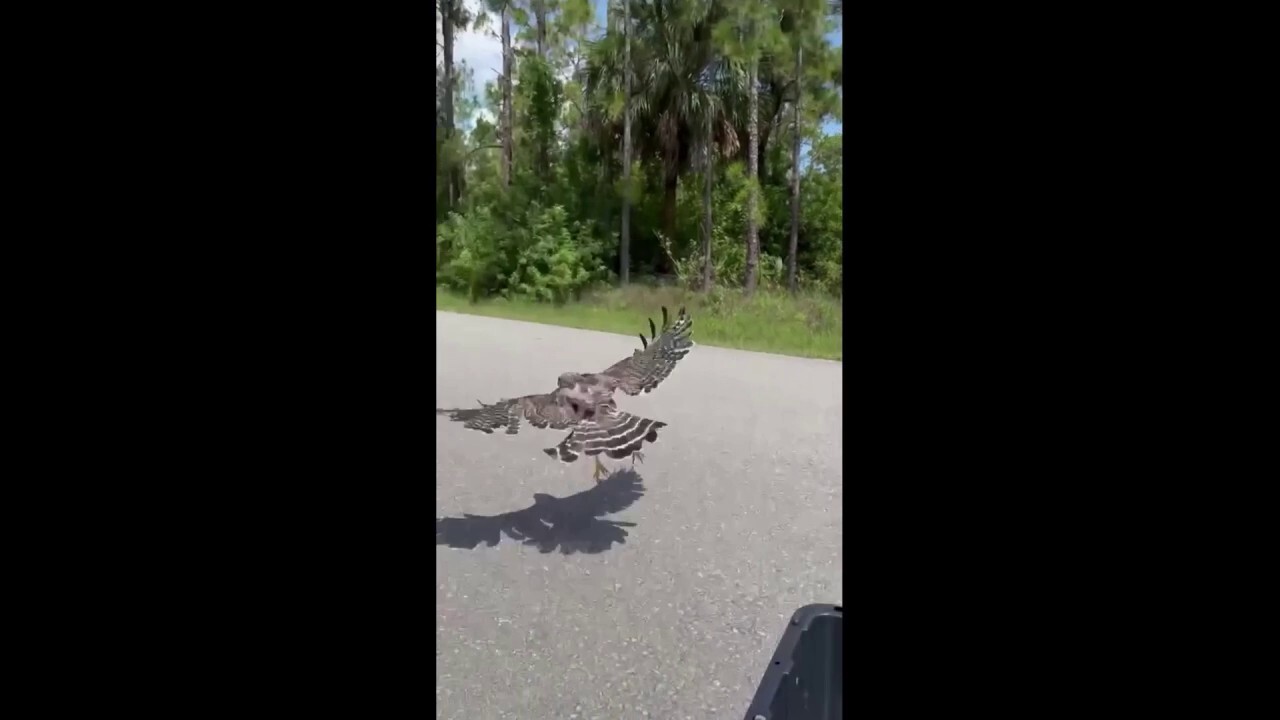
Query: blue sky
[483, 53]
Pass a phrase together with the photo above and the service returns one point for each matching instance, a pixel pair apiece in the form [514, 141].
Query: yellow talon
[599, 470]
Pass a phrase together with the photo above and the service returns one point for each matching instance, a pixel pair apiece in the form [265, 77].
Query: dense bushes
[543, 257]
[542, 253]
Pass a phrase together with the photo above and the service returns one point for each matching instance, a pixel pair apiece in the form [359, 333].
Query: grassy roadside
[807, 325]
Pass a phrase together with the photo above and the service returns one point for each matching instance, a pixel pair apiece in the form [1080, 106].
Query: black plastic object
[805, 678]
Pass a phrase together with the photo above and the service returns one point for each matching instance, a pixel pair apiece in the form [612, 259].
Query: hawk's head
[568, 380]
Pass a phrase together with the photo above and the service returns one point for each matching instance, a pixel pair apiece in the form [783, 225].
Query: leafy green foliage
[467, 256]
[544, 256]
[555, 259]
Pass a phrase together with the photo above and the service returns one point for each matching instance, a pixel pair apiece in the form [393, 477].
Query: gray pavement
[659, 593]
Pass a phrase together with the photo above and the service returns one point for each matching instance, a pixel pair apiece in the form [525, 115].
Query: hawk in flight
[583, 402]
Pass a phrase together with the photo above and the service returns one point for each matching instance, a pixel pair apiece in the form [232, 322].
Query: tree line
[686, 140]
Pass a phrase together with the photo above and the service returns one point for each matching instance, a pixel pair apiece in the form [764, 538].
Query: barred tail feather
[623, 435]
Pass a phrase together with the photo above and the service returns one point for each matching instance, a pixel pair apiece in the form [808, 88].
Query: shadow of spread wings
[645, 369]
[540, 411]
[571, 524]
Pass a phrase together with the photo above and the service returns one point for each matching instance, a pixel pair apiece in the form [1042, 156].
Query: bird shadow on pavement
[571, 524]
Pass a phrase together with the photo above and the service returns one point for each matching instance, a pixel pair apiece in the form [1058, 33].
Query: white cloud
[481, 50]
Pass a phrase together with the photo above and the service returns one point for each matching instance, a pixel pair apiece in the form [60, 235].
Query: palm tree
[672, 91]
[753, 167]
[747, 33]
[624, 262]
[795, 175]
[720, 80]
[802, 23]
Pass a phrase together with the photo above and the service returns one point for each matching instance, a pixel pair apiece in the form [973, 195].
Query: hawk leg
[637, 455]
[599, 471]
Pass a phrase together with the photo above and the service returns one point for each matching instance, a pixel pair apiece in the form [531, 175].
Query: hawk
[583, 403]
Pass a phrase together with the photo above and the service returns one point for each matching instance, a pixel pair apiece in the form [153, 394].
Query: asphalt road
[660, 593]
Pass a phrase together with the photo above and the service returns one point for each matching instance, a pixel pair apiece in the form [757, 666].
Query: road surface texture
[660, 593]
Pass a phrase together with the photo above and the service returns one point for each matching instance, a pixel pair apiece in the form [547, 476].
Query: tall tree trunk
[706, 212]
[446, 19]
[764, 134]
[540, 27]
[457, 182]
[795, 181]
[753, 157]
[508, 126]
[774, 118]
[544, 144]
[624, 263]
[670, 187]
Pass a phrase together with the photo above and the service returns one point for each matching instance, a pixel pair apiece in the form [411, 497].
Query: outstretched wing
[615, 433]
[540, 410]
[645, 369]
